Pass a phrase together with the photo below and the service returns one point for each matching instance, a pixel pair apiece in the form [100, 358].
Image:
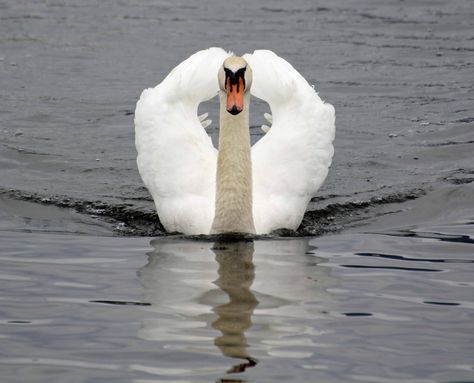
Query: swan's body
[178, 162]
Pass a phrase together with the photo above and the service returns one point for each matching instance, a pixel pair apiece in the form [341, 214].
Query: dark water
[387, 299]
[399, 74]
[392, 305]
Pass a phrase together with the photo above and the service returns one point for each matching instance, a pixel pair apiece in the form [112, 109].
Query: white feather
[176, 159]
[291, 161]
[203, 116]
[206, 124]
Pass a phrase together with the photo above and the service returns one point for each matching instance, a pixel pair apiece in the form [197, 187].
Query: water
[399, 75]
[388, 297]
[388, 305]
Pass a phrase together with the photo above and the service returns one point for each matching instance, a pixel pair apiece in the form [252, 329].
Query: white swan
[198, 190]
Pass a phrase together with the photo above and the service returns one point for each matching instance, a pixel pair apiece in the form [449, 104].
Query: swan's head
[235, 78]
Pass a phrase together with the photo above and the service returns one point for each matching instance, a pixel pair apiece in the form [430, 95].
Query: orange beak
[235, 96]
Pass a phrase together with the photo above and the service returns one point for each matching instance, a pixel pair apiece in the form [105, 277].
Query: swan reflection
[195, 288]
[236, 274]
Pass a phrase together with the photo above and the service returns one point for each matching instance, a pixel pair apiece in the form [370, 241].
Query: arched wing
[176, 158]
[291, 161]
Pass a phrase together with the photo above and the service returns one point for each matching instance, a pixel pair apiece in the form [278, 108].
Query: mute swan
[199, 190]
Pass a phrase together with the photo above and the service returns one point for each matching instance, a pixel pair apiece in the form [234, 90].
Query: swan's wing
[291, 161]
[176, 158]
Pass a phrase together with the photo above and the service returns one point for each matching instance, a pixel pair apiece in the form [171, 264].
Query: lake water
[383, 303]
[387, 296]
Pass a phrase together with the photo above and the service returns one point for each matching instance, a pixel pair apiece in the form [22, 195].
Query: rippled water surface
[389, 299]
[398, 73]
[389, 306]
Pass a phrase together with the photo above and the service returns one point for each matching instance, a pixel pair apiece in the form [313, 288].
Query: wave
[131, 221]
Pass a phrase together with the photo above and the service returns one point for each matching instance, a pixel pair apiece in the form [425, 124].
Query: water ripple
[403, 258]
[436, 236]
[391, 268]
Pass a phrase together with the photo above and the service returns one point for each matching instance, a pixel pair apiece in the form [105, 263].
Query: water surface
[398, 73]
[388, 305]
[388, 299]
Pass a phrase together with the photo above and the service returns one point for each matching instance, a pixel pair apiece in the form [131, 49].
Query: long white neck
[234, 172]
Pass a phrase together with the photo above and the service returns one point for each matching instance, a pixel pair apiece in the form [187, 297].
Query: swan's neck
[234, 172]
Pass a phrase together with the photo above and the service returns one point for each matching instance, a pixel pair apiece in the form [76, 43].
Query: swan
[198, 189]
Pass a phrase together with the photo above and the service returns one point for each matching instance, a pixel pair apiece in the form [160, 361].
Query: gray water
[399, 73]
[387, 296]
[388, 305]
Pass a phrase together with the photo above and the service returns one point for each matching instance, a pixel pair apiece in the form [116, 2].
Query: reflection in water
[236, 275]
[195, 288]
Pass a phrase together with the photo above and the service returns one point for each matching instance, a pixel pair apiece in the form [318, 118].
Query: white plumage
[177, 161]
